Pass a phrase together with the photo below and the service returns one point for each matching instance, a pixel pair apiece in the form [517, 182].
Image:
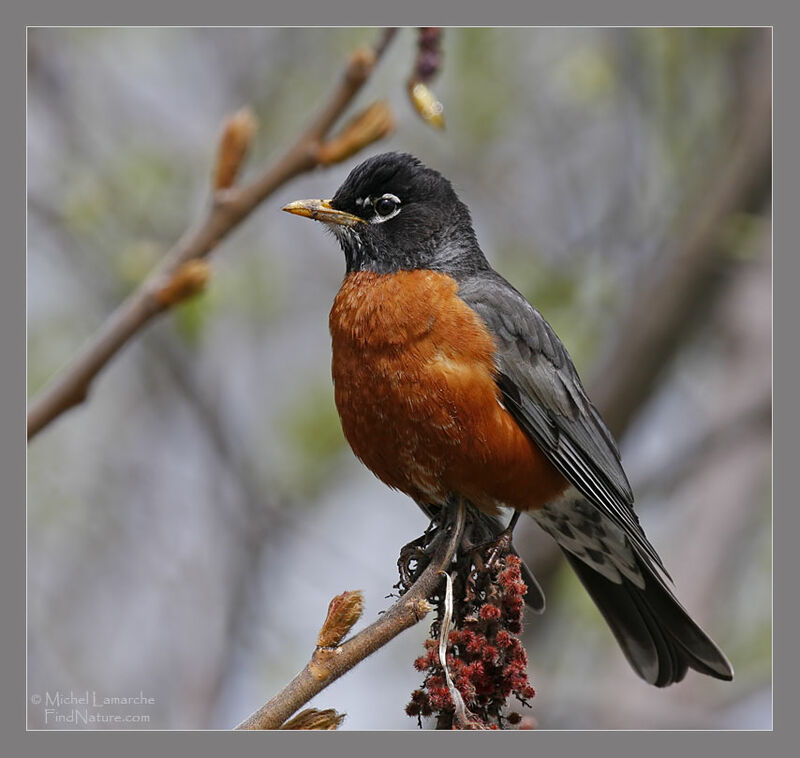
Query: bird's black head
[393, 213]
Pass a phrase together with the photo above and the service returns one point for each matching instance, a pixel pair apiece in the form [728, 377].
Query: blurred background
[188, 525]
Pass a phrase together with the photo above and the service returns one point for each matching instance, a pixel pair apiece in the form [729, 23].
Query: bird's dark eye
[385, 206]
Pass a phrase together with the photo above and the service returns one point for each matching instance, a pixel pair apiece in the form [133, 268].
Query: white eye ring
[378, 218]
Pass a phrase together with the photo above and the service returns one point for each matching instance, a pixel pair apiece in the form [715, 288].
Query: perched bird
[450, 384]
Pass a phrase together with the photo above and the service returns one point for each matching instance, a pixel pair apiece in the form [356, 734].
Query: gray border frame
[12, 377]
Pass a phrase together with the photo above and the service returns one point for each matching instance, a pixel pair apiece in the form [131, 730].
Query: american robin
[450, 384]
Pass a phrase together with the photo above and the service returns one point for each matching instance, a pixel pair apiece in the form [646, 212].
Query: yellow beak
[321, 210]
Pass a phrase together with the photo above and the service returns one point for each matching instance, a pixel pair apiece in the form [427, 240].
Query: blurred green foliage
[590, 73]
[483, 91]
[191, 317]
[562, 293]
[314, 436]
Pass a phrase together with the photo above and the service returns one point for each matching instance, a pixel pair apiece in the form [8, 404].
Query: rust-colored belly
[413, 373]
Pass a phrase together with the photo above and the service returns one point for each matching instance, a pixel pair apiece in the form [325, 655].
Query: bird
[450, 384]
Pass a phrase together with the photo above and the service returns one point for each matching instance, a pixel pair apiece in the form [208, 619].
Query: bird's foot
[414, 557]
[488, 552]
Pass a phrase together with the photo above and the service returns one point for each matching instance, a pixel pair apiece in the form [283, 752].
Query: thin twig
[228, 209]
[407, 611]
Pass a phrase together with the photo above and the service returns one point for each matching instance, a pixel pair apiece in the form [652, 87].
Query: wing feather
[543, 392]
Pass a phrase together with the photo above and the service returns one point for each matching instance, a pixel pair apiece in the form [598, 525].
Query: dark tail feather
[656, 634]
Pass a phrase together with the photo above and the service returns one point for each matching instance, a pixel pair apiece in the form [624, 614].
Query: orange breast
[413, 373]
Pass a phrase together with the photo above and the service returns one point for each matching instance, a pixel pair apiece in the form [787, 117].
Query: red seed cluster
[485, 657]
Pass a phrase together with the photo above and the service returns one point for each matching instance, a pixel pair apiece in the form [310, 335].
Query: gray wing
[542, 391]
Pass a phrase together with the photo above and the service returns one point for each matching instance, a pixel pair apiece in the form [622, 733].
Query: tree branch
[229, 207]
[328, 664]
